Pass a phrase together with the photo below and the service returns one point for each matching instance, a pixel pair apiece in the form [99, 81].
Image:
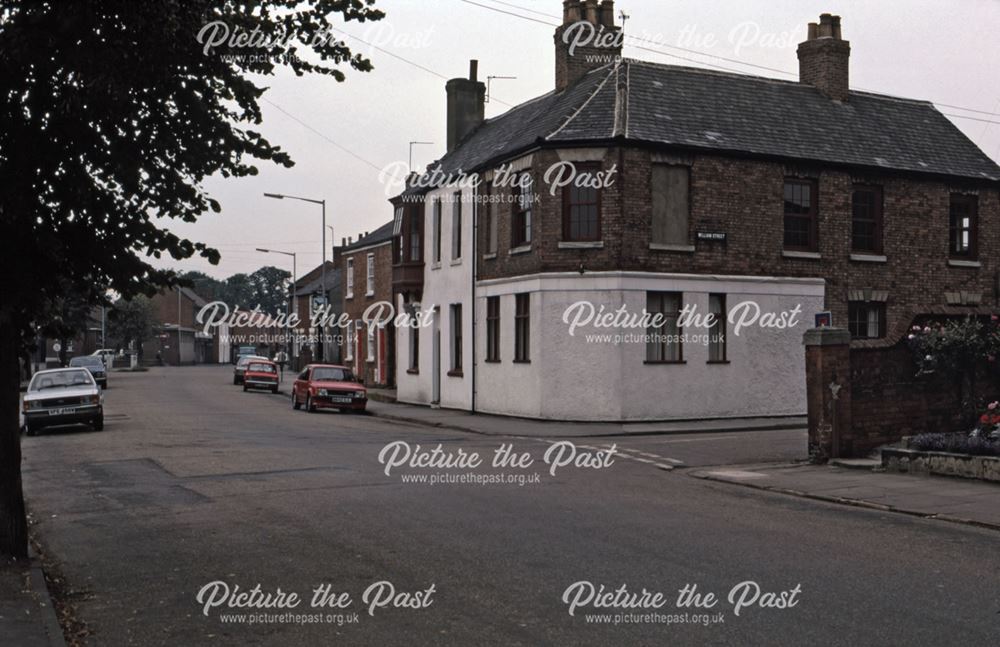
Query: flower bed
[960, 443]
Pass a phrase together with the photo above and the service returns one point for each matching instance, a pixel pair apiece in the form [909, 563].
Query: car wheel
[236, 380]
[295, 401]
[274, 390]
[244, 388]
[29, 430]
[310, 407]
[104, 385]
[98, 424]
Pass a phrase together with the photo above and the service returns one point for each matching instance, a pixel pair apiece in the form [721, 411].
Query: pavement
[194, 482]
[492, 425]
[933, 497]
[27, 615]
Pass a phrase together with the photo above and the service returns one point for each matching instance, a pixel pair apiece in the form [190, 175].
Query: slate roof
[380, 235]
[706, 110]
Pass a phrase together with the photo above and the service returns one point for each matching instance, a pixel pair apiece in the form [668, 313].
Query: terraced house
[715, 193]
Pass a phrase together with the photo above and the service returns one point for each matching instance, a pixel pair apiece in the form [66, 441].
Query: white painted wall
[572, 378]
[445, 283]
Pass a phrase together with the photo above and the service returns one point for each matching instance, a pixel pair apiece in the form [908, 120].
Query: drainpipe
[475, 238]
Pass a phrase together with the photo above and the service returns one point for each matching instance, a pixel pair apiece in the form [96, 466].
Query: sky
[342, 134]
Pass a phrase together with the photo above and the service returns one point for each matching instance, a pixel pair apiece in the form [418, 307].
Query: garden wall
[862, 398]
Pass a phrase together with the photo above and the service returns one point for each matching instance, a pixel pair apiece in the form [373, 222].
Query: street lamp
[295, 291]
[322, 203]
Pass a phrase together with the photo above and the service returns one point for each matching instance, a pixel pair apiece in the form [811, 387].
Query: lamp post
[295, 295]
[322, 203]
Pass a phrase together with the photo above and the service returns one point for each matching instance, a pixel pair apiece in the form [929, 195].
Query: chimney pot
[813, 31]
[343, 241]
[473, 70]
[591, 11]
[607, 14]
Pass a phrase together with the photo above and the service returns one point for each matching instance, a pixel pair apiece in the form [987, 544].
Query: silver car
[62, 396]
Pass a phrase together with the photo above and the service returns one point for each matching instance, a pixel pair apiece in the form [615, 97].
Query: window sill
[349, 295]
[718, 361]
[954, 262]
[492, 361]
[369, 294]
[523, 249]
[869, 258]
[522, 361]
[654, 362]
[686, 249]
[436, 266]
[812, 256]
[455, 374]
[489, 257]
[456, 261]
[582, 244]
[413, 371]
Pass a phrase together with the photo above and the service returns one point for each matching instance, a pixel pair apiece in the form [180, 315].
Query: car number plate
[340, 398]
[62, 412]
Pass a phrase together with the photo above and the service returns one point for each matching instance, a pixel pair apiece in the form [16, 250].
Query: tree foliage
[112, 114]
[131, 321]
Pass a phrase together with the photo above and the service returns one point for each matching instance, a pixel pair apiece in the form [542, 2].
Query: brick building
[699, 189]
[311, 344]
[368, 344]
[178, 338]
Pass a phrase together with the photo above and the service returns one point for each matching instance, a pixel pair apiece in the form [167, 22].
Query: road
[194, 481]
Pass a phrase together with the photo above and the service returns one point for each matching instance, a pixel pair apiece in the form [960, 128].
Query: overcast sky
[940, 50]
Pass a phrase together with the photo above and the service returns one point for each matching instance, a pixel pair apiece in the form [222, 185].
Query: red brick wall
[744, 199]
[356, 306]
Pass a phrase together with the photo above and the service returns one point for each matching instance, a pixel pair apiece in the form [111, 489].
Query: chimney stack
[466, 105]
[588, 39]
[824, 58]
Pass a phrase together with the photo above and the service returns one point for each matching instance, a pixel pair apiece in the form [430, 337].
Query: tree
[132, 320]
[112, 114]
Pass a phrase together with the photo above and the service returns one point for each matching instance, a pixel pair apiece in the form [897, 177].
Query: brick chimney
[466, 105]
[587, 39]
[824, 59]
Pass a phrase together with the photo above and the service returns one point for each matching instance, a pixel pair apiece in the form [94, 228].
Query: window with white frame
[370, 355]
[370, 276]
[350, 279]
[349, 345]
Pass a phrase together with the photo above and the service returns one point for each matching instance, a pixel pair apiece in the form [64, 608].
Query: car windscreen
[332, 375]
[256, 367]
[60, 380]
[86, 361]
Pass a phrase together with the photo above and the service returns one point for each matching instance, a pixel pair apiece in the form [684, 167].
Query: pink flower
[995, 318]
[912, 337]
[916, 329]
[927, 328]
[993, 405]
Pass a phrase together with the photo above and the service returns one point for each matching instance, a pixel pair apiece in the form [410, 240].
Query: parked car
[62, 396]
[328, 386]
[95, 364]
[241, 366]
[261, 374]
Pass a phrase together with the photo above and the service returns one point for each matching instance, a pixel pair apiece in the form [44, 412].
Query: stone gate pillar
[828, 393]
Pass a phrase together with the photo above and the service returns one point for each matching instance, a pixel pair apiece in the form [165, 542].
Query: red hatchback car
[261, 374]
[328, 386]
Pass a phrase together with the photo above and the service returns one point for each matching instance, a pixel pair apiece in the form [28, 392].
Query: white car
[62, 396]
